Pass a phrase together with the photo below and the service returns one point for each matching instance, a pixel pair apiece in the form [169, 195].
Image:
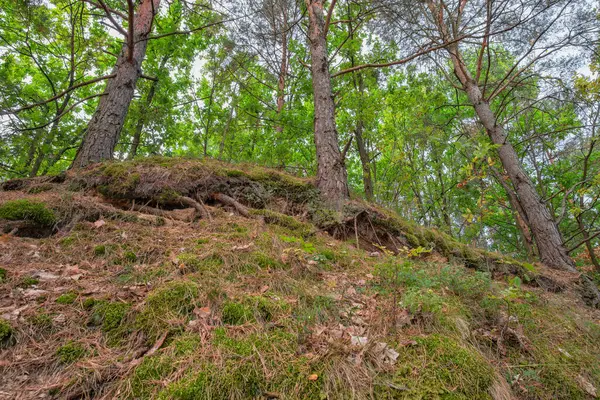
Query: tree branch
[58, 96]
[130, 23]
[328, 19]
[583, 241]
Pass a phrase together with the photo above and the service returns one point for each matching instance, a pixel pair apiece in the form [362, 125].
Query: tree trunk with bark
[105, 126]
[145, 108]
[282, 72]
[543, 227]
[364, 160]
[518, 213]
[332, 179]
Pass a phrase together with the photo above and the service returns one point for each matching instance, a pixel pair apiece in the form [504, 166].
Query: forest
[476, 117]
[429, 130]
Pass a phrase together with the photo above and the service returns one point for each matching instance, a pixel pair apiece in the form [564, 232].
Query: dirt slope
[132, 292]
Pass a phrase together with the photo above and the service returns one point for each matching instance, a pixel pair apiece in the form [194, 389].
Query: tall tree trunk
[145, 108]
[282, 71]
[226, 131]
[364, 160]
[137, 135]
[518, 213]
[105, 126]
[332, 178]
[547, 236]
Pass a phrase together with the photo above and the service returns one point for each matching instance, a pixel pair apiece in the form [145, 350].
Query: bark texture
[332, 179]
[105, 126]
[543, 227]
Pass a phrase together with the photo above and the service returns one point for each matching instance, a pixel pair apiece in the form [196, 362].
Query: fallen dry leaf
[313, 377]
[99, 223]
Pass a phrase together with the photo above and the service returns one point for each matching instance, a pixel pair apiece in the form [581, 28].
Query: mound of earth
[187, 279]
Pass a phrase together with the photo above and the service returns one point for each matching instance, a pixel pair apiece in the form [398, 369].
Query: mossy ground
[242, 309]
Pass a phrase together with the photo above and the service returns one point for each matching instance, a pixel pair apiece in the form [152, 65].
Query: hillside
[185, 279]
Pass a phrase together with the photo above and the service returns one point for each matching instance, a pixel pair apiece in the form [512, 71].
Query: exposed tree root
[200, 209]
[158, 212]
[230, 201]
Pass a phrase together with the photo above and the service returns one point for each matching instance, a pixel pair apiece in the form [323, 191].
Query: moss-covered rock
[26, 210]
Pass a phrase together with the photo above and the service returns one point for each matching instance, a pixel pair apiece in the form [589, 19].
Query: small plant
[67, 298]
[70, 352]
[6, 333]
[42, 322]
[130, 256]
[3, 275]
[29, 281]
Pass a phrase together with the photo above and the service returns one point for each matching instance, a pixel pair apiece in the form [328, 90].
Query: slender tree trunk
[332, 179]
[226, 131]
[145, 108]
[364, 160]
[444, 197]
[547, 236]
[588, 243]
[282, 72]
[137, 135]
[105, 126]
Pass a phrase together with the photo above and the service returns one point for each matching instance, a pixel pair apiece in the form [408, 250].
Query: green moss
[325, 218]
[167, 304]
[36, 212]
[264, 261]
[193, 263]
[264, 308]
[151, 371]
[89, 303]
[130, 256]
[70, 352]
[271, 217]
[67, 298]
[28, 281]
[250, 367]
[67, 240]
[167, 196]
[110, 317]
[3, 275]
[186, 343]
[42, 322]
[100, 250]
[314, 309]
[6, 333]
[236, 313]
[440, 367]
